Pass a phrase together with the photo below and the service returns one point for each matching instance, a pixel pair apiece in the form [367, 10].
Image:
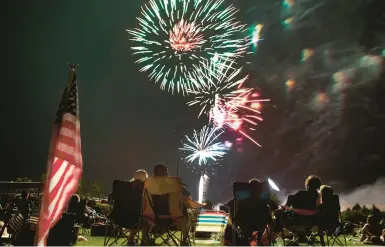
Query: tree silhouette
[357, 207]
[43, 177]
[23, 179]
[375, 211]
[365, 210]
[96, 189]
[81, 188]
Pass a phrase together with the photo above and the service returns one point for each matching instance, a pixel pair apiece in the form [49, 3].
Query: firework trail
[203, 150]
[203, 186]
[174, 37]
[272, 184]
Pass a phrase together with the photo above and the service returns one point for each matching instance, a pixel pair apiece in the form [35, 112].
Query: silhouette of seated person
[161, 170]
[73, 205]
[138, 185]
[305, 202]
[162, 208]
[300, 209]
[252, 204]
[138, 181]
[372, 231]
[329, 209]
[255, 204]
[252, 213]
[78, 207]
[24, 204]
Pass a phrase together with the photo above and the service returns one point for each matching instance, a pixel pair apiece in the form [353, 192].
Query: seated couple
[179, 216]
[300, 209]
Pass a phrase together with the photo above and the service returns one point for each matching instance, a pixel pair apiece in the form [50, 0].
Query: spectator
[24, 204]
[228, 238]
[73, 205]
[230, 204]
[140, 175]
[371, 232]
[161, 170]
[326, 193]
[313, 184]
[302, 203]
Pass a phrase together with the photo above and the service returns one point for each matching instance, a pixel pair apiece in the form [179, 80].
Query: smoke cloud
[367, 194]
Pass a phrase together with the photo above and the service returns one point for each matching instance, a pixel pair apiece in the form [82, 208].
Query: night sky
[127, 122]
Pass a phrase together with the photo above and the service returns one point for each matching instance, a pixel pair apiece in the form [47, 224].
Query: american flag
[65, 166]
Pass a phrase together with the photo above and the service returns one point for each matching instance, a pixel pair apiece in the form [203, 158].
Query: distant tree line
[358, 214]
[87, 188]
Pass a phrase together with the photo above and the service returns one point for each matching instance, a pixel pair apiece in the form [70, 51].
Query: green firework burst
[175, 37]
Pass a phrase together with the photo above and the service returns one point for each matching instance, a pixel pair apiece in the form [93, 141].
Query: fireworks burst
[203, 149]
[174, 37]
[240, 113]
[223, 98]
[219, 82]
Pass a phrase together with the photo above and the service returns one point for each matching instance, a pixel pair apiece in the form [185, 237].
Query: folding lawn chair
[251, 211]
[302, 219]
[163, 212]
[211, 222]
[125, 215]
[330, 221]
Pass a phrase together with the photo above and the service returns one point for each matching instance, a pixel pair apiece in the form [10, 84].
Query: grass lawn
[99, 241]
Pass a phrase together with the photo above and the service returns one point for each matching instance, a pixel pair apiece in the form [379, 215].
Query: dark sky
[127, 122]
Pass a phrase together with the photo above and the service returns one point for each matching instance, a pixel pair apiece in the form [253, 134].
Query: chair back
[330, 212]
[251, 199]
[211, 221]
[244, 190]
[162, 198]
[127, 197]
[303, 200]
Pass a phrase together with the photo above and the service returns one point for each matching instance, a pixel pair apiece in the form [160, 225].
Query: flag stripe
[68, 123]
[67, 149]
[59, 168]
[64, 155]
[58, 190]
[68, 133]
[67, 140]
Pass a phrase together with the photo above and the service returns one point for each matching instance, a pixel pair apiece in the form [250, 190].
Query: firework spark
[203, 149]
[173, 38]
[224, 100]
[185, 37]
[272, 184]
[219, 82]
[240, 113]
